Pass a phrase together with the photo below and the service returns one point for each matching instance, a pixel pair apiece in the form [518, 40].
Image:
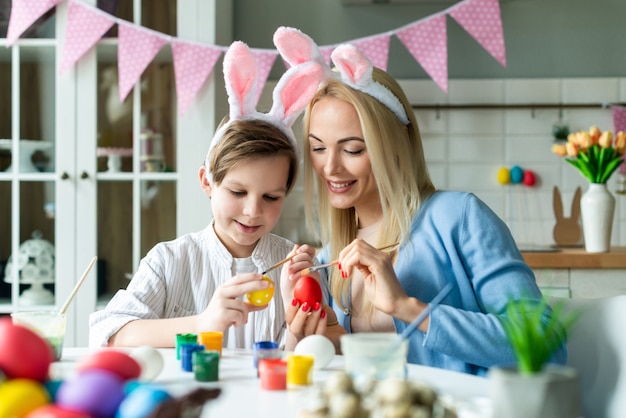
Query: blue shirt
[457, 238]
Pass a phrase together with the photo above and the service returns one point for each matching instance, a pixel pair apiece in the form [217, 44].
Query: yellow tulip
[620, 142]
[559, 149]
[606, 139]
[594, 134]
[572, 149]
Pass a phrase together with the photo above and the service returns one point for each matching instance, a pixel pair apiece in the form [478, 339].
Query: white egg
[150, 360]
[318, 346]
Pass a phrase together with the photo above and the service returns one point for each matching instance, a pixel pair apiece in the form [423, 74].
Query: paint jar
[212, 340]
[372, 355]
[184, 339]
[49, 325]
[186, 351]
[206, 365]
[264, 349]
[273, 373]
[299, 370]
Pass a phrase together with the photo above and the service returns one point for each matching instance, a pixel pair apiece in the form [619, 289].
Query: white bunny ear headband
[355, 68]
[292, 93]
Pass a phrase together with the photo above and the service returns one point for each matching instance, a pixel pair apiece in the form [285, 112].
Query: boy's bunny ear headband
[355, 68]
[292, 93]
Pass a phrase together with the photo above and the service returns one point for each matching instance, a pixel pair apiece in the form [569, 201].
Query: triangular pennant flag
[619, 118]
[426, 41]
[85, 26]
[137, 47]
[24, 13]
[482, 20]
[192, 66]
[265, 59]
[376, 48]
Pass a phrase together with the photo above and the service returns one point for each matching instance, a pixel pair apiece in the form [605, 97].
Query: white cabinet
[581, 282]
[83, 200]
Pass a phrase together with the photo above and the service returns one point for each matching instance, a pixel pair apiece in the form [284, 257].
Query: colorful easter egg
[517, 174]
[55, 411]
[307, 289]
[263, 296]
[98, 393]
[150, 360]
[23, 353]
[142, 401]
[504, 176]
[18, 397]
[529, 178]
[115, 361]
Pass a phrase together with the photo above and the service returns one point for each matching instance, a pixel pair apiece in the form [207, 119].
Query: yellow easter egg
[18, 397]
[504, 176]
[262, 297]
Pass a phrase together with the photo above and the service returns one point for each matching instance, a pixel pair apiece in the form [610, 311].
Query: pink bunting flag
[482, 20]
[85, 26]
[265, 59]
[24, 13]
[426, 41]
[193, 64]
[137, 47]
[376, 48]
[619, 118]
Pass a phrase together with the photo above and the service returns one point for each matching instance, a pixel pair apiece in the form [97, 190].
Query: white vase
[597, 206]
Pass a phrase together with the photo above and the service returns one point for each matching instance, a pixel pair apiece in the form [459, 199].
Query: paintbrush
[280, 263]
[310, 270]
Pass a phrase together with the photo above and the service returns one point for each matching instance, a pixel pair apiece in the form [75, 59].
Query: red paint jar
[273, 373]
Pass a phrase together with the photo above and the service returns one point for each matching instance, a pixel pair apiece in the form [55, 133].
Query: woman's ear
[205, 184]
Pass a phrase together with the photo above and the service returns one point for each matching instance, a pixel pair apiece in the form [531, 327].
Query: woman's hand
[380, 283]
[291, 270]
[228, 306]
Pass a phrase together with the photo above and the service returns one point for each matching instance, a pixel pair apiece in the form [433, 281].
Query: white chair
[597, 349]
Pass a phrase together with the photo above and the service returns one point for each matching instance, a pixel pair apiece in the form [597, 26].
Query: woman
[366, 169]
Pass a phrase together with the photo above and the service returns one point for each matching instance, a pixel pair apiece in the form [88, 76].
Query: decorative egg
[263, 296]
[18, 397]
[308, 289]
[150, 360]
[55, 411]
[504, 176]
[529, 178]
[115, 361]
[318, 346]
[142, 401]
[517, 174]
[23, 354]
[98, 393]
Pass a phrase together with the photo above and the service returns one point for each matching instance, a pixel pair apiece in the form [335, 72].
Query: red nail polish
[305, 307]
[294, 302]
[339, 265]
[316, 307]
[323, 314]
[344, 274]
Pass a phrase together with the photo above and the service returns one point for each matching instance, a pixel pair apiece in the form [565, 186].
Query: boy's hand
[228, 306]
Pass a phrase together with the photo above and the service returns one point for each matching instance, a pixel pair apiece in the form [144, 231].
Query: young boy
[198, 282]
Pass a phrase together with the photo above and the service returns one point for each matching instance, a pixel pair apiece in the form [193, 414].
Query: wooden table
[577, 258]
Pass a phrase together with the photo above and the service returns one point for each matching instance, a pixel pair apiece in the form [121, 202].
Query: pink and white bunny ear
[294, 91]
[356, 71]
[240, 76]
[296, 47]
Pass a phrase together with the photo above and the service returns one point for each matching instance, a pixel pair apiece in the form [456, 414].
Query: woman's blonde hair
[398, 165]
[250, 139]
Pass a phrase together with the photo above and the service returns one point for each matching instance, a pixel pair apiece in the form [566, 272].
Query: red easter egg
[529, 178]
[307, 289]
[117, 362]
[55, 411]
[23, 353]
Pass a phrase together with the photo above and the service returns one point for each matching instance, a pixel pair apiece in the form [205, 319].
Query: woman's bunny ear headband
[355, 68]
[292, 93]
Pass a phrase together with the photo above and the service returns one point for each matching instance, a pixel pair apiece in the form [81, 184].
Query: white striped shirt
[178, 278]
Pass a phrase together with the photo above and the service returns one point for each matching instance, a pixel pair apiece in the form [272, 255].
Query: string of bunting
[425, 39]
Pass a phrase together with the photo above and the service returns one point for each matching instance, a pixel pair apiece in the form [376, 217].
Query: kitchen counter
[576, 258]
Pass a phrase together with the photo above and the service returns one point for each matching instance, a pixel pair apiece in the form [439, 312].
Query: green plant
[536, 331]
